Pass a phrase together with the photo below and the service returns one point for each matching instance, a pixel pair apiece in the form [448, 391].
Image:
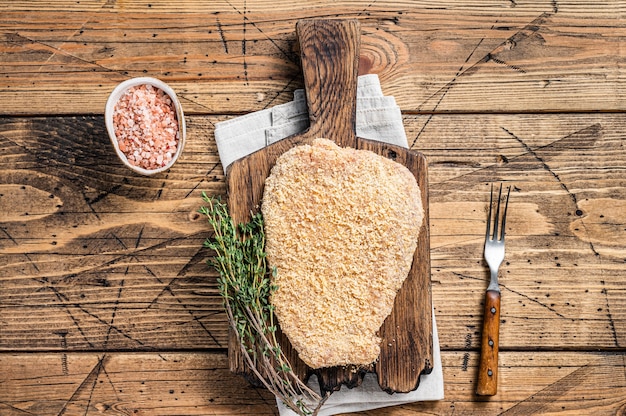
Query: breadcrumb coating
[341, 229]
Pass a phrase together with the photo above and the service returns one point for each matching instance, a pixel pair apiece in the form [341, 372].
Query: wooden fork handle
[488, 369]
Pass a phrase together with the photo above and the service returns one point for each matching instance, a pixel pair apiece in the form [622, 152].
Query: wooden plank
[225, 57]
[564, 264]
[131, 275]
[134, 384]
[567, 383]
[93, 257]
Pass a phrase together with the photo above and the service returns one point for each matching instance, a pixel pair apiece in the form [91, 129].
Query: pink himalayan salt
[146, 127]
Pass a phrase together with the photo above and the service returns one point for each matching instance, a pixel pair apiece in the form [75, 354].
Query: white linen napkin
[377, 118]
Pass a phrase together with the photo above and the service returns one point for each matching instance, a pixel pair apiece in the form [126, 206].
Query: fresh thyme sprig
[245, 285]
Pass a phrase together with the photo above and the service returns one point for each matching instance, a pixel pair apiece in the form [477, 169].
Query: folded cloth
[377, 118]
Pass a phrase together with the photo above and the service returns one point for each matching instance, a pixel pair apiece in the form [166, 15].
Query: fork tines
[496, 219]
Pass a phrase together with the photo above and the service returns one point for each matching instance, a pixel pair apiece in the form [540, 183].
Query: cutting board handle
[330, 62]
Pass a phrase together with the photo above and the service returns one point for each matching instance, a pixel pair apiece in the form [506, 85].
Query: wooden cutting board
[330, 55]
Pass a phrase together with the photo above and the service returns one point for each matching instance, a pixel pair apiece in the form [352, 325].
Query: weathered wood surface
[103, 283]
[95, 257]
[239, 56]
[199, 383]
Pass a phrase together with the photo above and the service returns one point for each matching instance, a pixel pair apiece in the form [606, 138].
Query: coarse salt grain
[146, 127]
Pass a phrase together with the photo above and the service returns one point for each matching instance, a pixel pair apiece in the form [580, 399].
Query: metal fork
[494, 254]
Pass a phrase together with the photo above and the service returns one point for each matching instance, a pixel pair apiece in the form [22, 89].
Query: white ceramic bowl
[108, 118]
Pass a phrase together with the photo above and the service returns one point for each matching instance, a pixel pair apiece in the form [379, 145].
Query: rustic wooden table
[106, 303]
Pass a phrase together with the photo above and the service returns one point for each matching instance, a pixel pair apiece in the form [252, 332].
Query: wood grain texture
[103, 284]
[562, 280]
[238, 57]
[67, 216]
[488, 367]
[200, 383]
